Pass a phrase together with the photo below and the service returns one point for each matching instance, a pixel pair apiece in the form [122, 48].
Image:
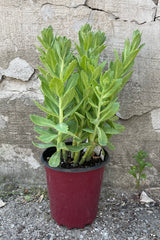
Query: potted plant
[80, 103]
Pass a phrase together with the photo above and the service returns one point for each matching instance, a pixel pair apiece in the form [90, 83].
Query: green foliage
[80, 97]
[136, 170]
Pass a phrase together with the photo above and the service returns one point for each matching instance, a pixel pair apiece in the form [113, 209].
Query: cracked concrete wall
[21, 22]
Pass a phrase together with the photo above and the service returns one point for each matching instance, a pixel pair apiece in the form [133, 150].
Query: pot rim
[72, 170]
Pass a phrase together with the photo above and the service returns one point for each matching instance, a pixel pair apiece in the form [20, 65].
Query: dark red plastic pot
[73, 193]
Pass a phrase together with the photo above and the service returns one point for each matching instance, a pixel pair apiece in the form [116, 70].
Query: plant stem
[88, 153]
[137, 184]
[64, 155]
[60, 120]
[76, 158]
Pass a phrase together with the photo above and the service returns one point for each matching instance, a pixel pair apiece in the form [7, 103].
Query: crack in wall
[109, 13]
[157, 4]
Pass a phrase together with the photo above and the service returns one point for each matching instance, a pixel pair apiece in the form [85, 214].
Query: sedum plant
[80, 94]
[137, 170]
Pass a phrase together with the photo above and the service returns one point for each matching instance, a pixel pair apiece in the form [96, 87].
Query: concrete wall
[20, 22]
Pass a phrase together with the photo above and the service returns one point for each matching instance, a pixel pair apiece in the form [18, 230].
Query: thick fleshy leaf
[42, 145]
[44, 73]
[80, 115]
[102, 138]
[84, 79]
[61, 127]
[92, 103]
[126, 78]
[78, 148]
[44, 109]
[54, 160]
[88, 130]
[72, 81]
[73, 110]
[130, 58]
[118, 68]
[47, 138]
[73, 125]
[68, 97]
[41, 121]
[53, 107]
[110, 112]
[91, 119]
[42, 131]
[110, 146]
[115, 86]
[119, 127]
[111, 131]
[136, 39]
[48, 93]
[57, 85]
[69, 70]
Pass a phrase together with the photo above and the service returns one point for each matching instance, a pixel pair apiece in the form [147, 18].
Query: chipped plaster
[17, 155]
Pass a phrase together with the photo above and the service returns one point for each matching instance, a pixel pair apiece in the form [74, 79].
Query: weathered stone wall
[20, 22]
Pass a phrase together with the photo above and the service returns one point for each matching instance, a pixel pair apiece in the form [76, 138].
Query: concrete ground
[26, 216]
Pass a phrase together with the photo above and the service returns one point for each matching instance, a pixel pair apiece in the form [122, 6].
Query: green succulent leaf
[47, 138]
[73, 125]
[57, 86]
[88, 130]
[70, 112]
[78, 148]
[41, 121]
[69, 70]
[102, 138]
[129, 60]
[42, 131]
[68, 97]
[110, 145]
[54, 160]
[110, 112]
[62, 127]
[42, 145]
[72, 82]
[44, 109]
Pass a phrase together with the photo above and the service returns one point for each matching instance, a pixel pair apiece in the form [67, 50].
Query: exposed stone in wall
[13, 89]
[155, 114]
[19, 69]
[21, 22]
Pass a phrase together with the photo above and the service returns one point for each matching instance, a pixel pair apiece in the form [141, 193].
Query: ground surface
[26, 216]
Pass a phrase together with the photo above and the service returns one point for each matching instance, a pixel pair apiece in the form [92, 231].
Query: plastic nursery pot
[73, 193]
